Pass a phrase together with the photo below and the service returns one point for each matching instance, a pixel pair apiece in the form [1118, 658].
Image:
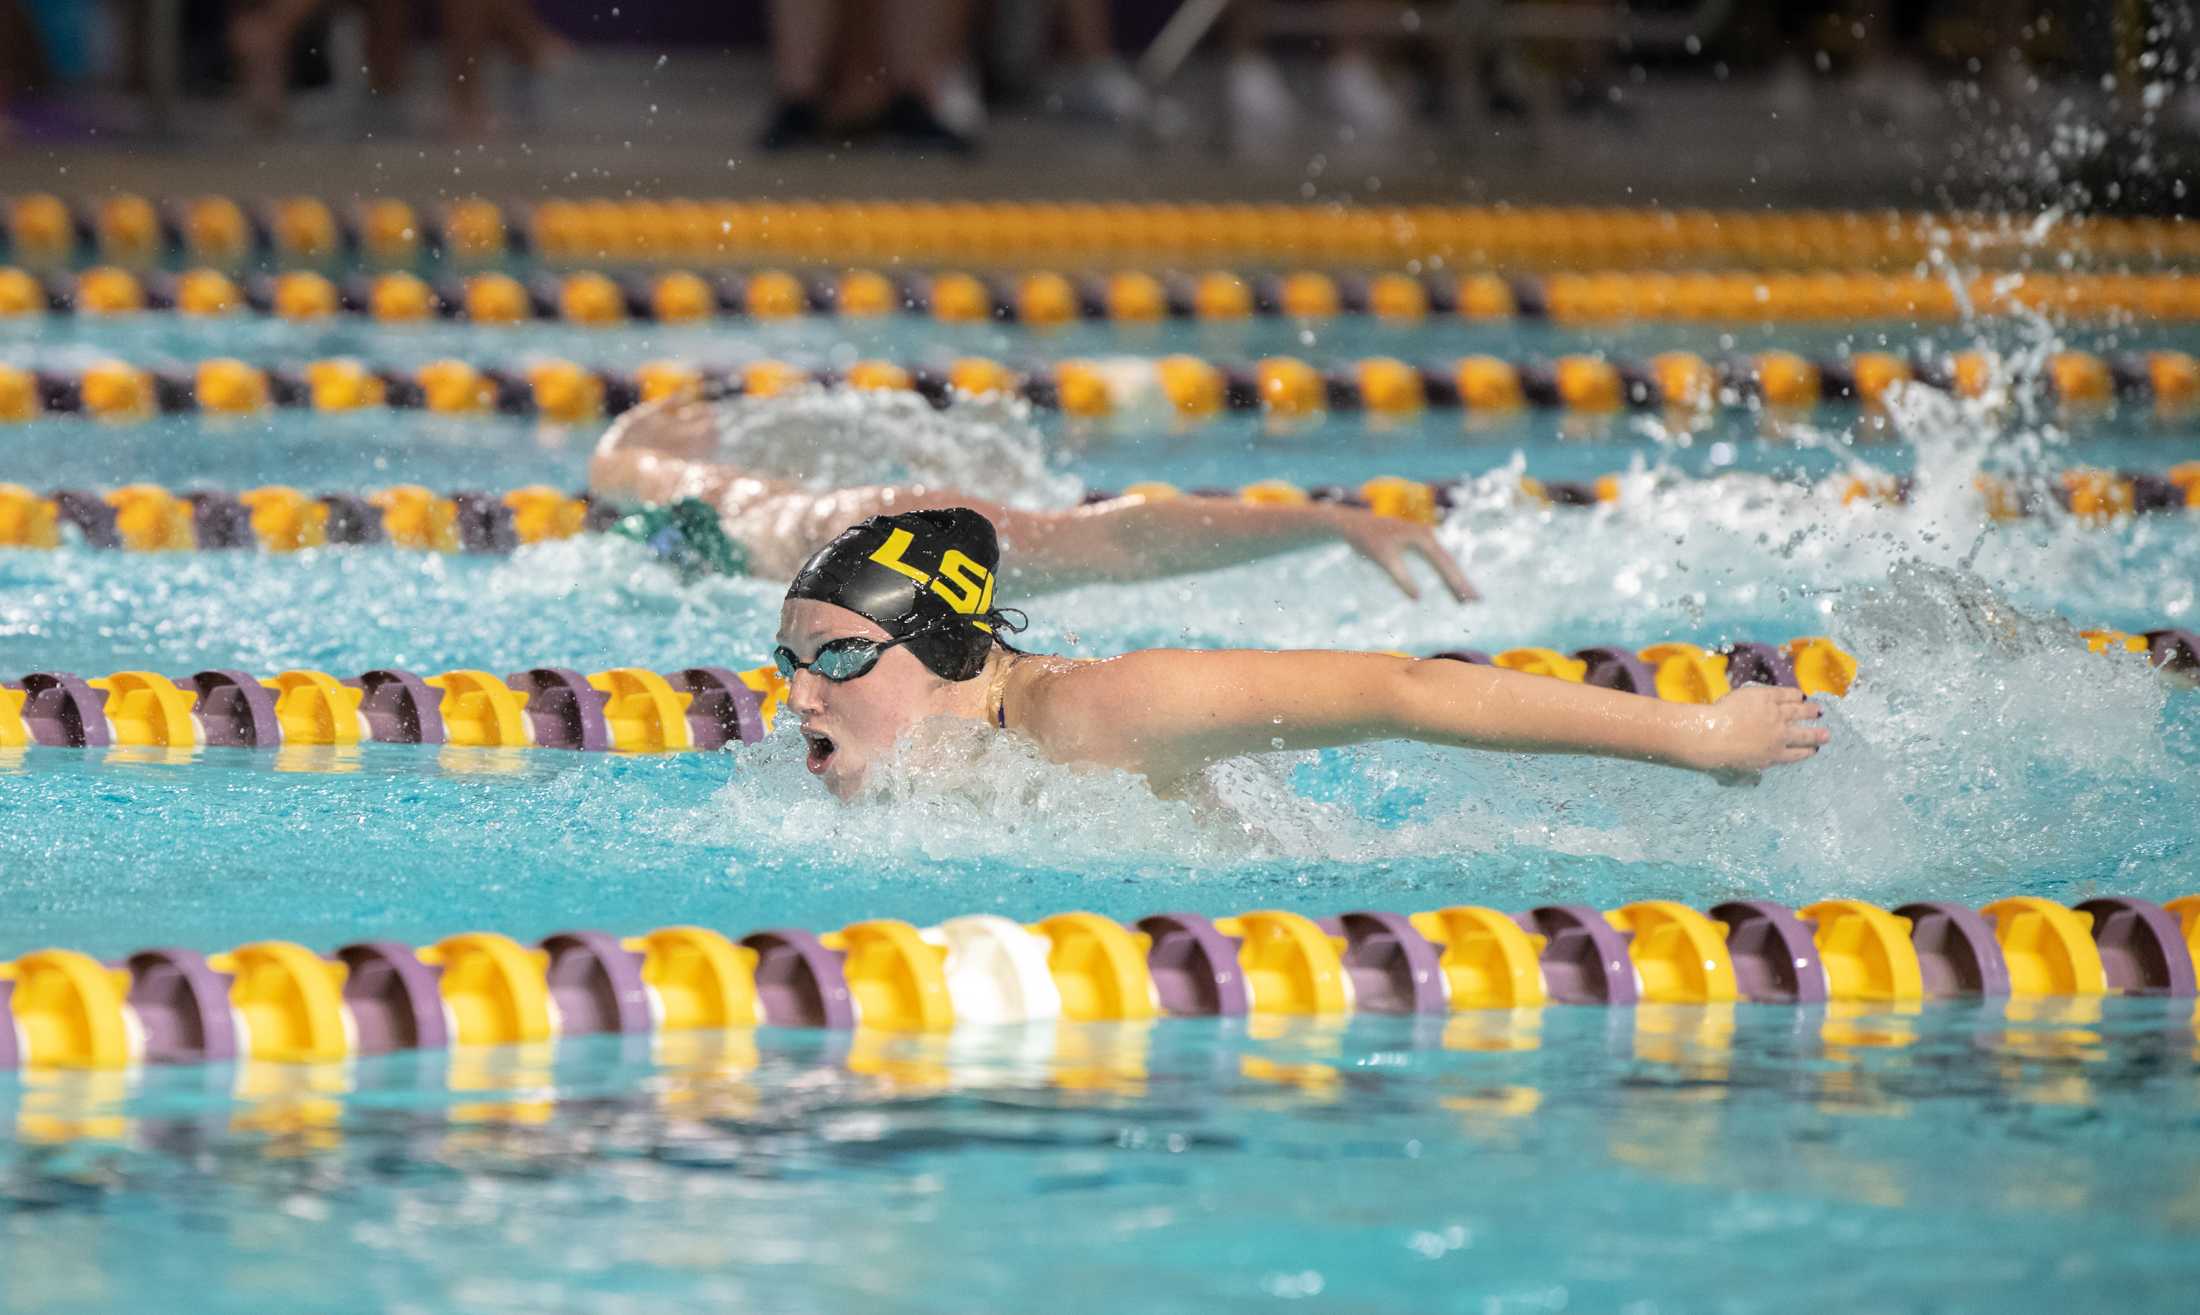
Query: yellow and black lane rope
[44, 230]
[280, 1002]
[1046, 299]
[280, 518]
[1190, 389]
[634, 710]
[630, 709]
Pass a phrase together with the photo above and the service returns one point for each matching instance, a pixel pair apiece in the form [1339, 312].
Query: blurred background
[1918, 103]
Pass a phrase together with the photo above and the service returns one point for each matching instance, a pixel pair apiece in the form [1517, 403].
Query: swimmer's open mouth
[821, 750]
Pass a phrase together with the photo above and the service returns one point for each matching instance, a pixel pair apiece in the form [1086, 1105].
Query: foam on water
[838, 438]
[1983, 747]
[1675, 558]
[1983, 739]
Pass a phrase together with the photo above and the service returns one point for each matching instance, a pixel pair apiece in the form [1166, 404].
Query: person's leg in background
[1263, 112]
[1098, 86]
[942, 73]
[1354, 83]
[860, 62]
[260, 38]
[388, 45]
[857, 87]
[467, 28]
[470, 29]
[926, 41]
[802, 46]
[19, 60]
[388, 52]
[532, 43]
[536, 49]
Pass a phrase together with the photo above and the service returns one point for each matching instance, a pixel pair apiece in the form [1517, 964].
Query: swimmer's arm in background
[1169, 713]
[1136, 538]
[663, 451]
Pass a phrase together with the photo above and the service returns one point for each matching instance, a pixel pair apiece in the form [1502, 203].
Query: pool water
[1600, 1162]
[1656, 1159]
[834, 341]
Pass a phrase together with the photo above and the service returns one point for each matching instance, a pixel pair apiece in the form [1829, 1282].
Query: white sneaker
[1262, 110]
[1104, 89]
[957, 102]
[1357, 93]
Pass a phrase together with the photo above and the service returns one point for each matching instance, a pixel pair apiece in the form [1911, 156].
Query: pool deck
[620, 121]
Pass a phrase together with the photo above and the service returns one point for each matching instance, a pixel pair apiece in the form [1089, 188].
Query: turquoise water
[1370, 1168]
[365, 450]
[1648, 1160]
[829, 340]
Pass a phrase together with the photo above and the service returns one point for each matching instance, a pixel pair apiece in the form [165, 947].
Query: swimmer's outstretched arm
[1136, 538]
[661, 452]
[1169, 713]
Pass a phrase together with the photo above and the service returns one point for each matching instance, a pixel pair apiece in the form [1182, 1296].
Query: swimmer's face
[849, 723]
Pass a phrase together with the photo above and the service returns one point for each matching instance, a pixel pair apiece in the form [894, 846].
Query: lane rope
[44, 229]
[1187, 389]
[1045, 299]
[279, 518]
[279, 1001]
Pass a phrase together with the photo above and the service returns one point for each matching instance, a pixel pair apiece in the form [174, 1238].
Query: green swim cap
[925, 573]
[688, 535]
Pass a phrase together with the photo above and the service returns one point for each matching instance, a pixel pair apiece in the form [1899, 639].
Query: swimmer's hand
[1387, 541]
[1753, 728]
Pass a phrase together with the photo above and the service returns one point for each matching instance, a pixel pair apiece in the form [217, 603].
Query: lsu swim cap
[927, 573]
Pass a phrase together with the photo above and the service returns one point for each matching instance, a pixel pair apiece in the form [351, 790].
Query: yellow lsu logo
[967, 586]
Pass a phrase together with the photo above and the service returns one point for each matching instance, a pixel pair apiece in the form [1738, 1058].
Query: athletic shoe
[1263, 112]
[909, 123]
[1103, 89]
[1357, 93]
[794, 123]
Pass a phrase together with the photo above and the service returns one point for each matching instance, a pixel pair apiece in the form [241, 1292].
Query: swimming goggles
[843, 659]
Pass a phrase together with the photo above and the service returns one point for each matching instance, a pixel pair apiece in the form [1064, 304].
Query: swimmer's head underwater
[894, 622]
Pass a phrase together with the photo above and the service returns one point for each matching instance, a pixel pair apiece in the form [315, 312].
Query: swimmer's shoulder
[1061, 682]
[1089, 702]
[1064, 703]
[1033, 678]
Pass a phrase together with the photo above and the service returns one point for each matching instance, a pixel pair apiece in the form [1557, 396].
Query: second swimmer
[666, 454]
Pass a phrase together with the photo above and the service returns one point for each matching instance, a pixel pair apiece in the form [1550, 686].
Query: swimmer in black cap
[895, 622]
[662, 454]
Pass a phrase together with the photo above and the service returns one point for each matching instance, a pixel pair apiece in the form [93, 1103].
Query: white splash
[1984, 744]
[845, 437]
